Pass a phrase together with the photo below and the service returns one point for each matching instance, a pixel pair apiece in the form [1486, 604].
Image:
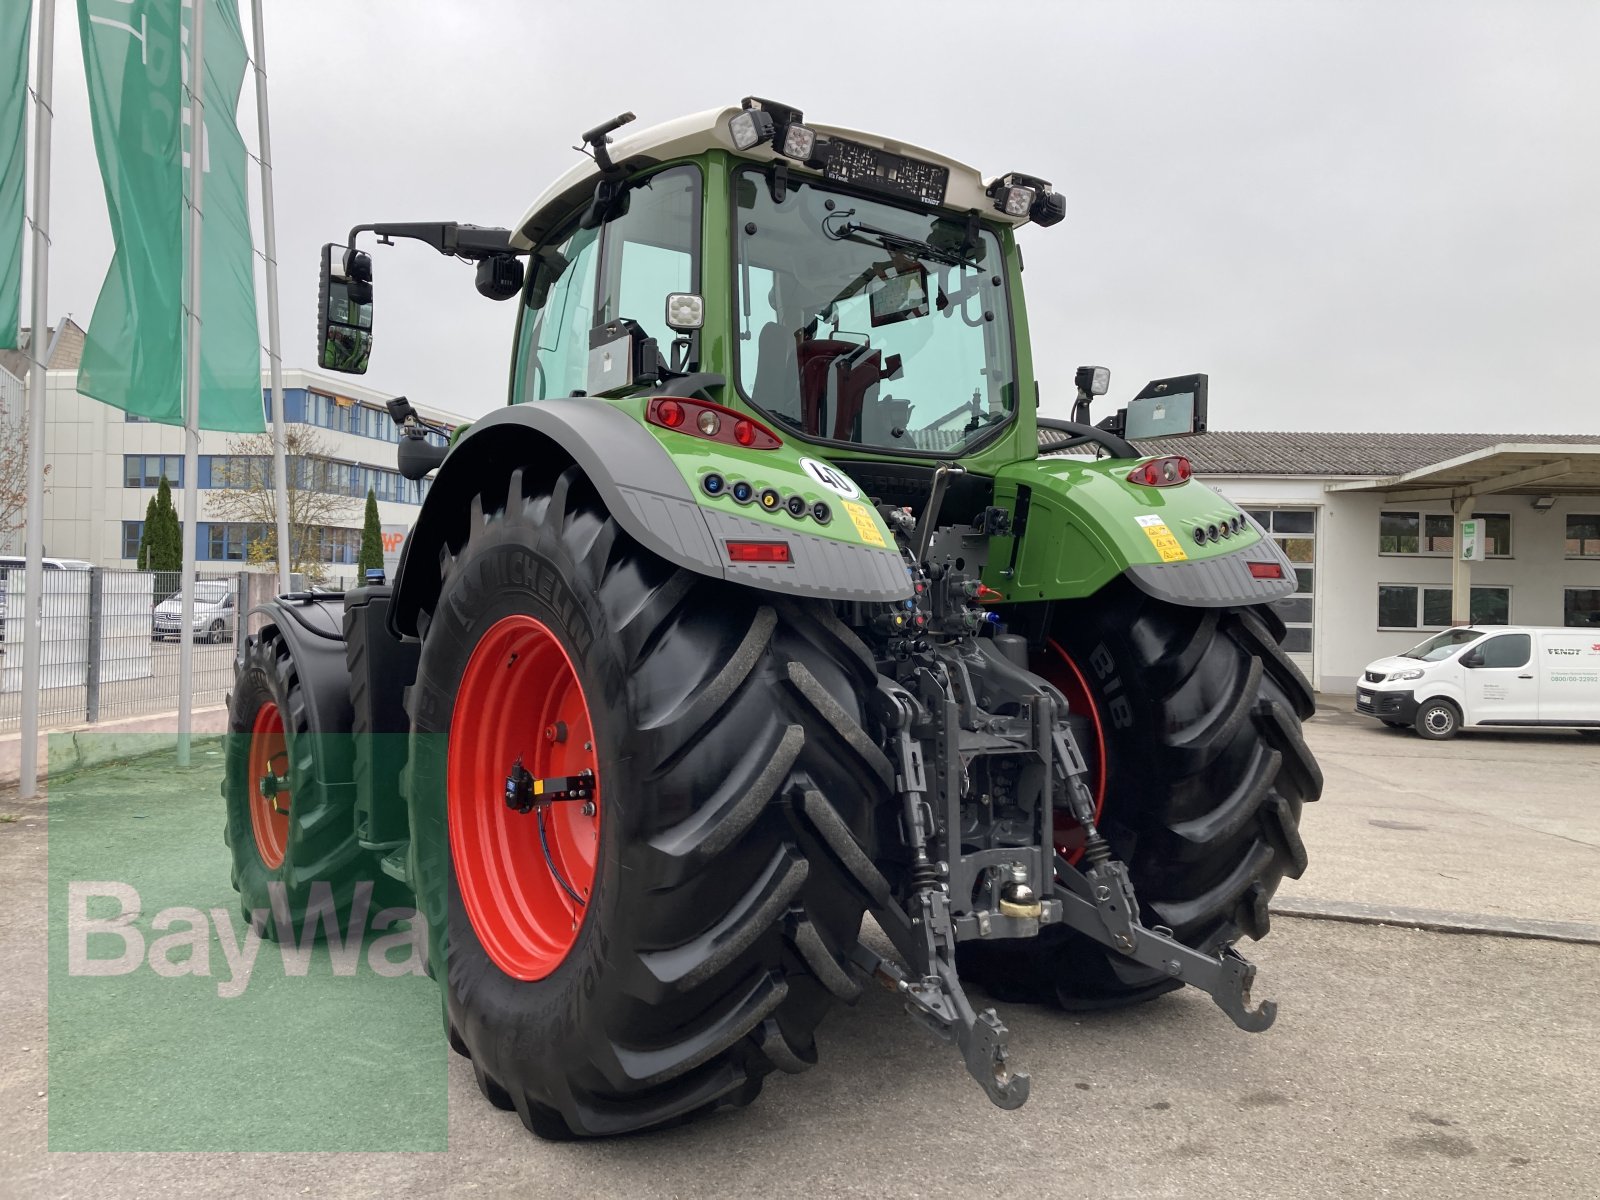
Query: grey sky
[1352, 216]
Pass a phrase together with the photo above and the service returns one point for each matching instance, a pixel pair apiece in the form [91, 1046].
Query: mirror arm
[447, 237]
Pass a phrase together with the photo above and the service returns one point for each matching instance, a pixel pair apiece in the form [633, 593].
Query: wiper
[889, 240]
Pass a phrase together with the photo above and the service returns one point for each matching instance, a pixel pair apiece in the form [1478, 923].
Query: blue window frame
[146, 470]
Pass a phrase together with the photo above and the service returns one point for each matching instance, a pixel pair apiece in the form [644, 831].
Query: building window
[1581, 607]
[146, 470]
[1583, 535]
[1415, 606]
[1405, 532]
[1295, 531]
[132, 531]
[228, 541]
[133, 418]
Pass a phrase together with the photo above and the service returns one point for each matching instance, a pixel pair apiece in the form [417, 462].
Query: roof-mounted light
[749, 128]
[1023, 196]
[799, 142]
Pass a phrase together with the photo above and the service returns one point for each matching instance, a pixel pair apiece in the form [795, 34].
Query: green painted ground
[177, 1049]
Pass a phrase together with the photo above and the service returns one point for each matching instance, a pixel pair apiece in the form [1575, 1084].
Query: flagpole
[39, 346]
[269, 245]
[191, 442]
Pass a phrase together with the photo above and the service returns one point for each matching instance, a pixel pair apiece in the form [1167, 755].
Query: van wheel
[1438, 720]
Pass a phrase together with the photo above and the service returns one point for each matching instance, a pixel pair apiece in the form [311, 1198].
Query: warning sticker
[861, 517]
[1161, 538]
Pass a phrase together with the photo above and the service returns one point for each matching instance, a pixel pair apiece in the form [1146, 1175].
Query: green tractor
[760, 609]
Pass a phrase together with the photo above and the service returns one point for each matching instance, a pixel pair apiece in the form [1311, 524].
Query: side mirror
[344, 311]
[1167, 408]
[1472, 658]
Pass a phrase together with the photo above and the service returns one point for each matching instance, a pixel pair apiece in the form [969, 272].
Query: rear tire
[735, 787]
[1205, 773]
[313, 845]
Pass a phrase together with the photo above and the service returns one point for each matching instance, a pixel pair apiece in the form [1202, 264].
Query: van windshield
[1442, 645]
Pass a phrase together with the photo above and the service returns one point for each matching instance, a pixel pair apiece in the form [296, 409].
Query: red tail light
[758, 552]
[1259, 570]
[702, 419]
[1162, 472]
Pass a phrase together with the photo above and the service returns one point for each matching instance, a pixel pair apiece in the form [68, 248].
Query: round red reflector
[744, 432]
[671, 413]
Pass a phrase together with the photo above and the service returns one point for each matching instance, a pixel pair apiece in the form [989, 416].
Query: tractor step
[394, 864]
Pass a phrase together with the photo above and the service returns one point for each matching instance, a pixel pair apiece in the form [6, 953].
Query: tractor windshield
[866, 323]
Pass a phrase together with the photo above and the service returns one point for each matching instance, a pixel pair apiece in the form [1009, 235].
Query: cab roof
[699, 132]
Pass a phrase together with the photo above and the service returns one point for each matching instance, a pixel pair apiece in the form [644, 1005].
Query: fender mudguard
[1082, 524]
[313, 631]
[645, 492]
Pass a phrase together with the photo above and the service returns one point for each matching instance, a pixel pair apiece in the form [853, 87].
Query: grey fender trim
[1218, 582]
[643, 489]
[313, 631]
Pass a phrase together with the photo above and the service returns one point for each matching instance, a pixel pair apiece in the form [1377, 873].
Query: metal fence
[110, 641]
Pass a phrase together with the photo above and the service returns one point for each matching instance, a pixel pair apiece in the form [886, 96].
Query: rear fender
[1082, 524]
[645, 488]
[312, 629]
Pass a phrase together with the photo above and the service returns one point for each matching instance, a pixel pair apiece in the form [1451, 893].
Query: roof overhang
[636, 148]
[1510, 468]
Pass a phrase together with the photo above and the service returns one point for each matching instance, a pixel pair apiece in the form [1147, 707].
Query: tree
[371, 558]
[14, 473]
[145, 534]
[164, 533]
[318, 493]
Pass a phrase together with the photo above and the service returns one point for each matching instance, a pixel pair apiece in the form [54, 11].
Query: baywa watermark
[185, 945]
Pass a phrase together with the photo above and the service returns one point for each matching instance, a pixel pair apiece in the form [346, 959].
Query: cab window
[1507, 650]
[648, 248]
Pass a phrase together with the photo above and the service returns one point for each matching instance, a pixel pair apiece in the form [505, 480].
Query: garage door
[1295, 531]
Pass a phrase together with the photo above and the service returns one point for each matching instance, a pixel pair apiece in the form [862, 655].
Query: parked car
[1496, 676]
[214, 609]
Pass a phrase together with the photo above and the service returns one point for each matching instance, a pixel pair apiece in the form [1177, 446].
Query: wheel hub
[269, 807]
[524, 798]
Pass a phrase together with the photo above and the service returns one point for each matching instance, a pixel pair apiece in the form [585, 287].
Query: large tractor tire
[1190, 719]
[287, 791]
[657, 943]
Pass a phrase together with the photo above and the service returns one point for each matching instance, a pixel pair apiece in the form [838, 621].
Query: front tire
[1438, 720]
[1191, 722]
[709, 923]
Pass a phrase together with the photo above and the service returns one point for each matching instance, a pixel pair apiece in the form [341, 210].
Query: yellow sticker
[1161, 538]
[861, 516]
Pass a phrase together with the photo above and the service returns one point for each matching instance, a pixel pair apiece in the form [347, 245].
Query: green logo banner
[135, 62]
[15, 18]
[230, 346]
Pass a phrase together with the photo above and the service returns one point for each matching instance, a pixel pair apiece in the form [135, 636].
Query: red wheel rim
[520, 699]
[268, 780]
[1056, 665]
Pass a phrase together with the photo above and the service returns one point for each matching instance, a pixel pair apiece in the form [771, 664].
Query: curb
[62, 751]
[1435, 920]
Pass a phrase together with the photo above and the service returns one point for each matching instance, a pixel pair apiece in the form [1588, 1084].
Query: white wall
[85, 440]
[1346, 634]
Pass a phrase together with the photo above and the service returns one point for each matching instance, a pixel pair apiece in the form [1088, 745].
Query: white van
[1488, 676]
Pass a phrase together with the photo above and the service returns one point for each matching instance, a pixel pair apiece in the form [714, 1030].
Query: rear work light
[758, 552]
[703, 419]
[1260, 570]
[1162, 472]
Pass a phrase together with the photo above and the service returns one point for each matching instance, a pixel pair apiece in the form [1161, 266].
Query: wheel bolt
[588, 808]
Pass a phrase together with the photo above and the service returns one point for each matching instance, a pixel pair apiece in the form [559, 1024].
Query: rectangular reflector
[1266, 570]
[758, 552]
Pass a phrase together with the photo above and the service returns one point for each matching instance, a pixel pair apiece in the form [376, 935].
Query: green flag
[15, 17]
[230, 343]
[133, 355]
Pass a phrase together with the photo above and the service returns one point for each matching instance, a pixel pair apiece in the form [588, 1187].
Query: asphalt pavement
[1403, 1062]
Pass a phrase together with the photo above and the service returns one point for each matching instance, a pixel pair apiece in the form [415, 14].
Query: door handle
[1524, 676]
